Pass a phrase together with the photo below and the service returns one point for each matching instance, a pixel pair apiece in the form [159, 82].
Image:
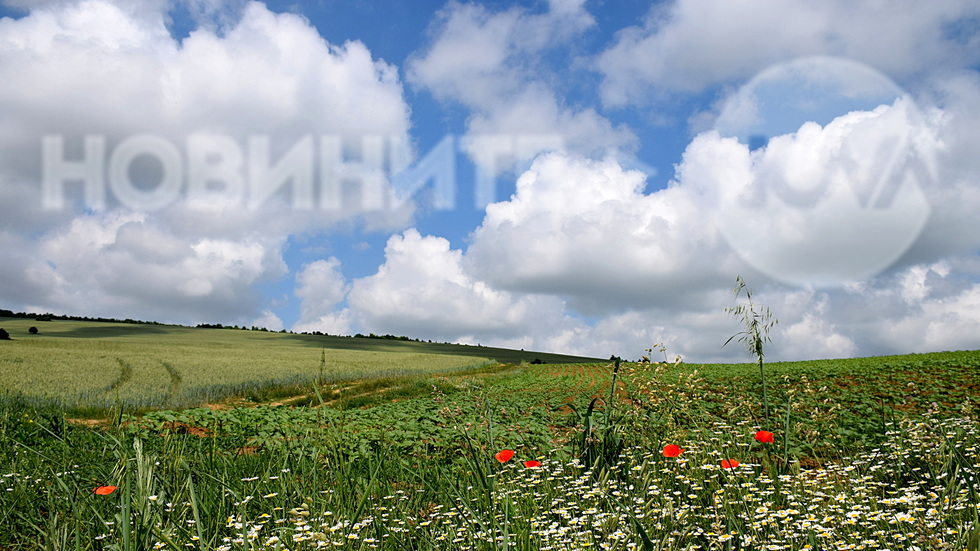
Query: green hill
[92, 366]
[18, 327]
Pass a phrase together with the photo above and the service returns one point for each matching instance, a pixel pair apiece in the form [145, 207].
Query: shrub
[4, 335]
[32, 330]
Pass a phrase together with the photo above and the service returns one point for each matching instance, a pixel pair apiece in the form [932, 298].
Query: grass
[92, 368]
[246, 340]
[870, 453]
[143, 367]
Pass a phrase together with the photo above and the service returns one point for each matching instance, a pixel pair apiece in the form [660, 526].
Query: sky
[576, 176]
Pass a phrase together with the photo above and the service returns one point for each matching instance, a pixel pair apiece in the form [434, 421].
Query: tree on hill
[4, 335]
[32, 330]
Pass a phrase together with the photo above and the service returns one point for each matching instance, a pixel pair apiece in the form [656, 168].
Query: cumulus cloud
[115, 264]
[953, 106]
[244, 102]
[807, 330]
[920, 308]
[424, 289]
[816, 206]
[268, 320]
[493, 63]
[890, 183]
[585, 229]
[929, 306]
[917, 308]
[852, 177]
[688, 45]
[95, 68]
[321, 288]
[945, 324]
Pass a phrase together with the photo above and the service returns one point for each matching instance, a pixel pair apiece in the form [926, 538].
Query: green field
[91, 366]
[869, 453]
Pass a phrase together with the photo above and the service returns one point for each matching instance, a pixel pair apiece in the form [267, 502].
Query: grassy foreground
[875, 453]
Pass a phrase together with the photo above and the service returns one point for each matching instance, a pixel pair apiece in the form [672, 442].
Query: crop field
[101, 366]
[869, 453]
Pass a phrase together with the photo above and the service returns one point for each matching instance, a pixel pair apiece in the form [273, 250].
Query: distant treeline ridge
[49, 317]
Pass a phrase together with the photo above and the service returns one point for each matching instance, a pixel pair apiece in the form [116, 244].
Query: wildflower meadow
[868, 453]
[874, 453]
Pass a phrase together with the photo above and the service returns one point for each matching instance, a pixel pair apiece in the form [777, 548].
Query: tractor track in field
[175, 382]
[125, 374]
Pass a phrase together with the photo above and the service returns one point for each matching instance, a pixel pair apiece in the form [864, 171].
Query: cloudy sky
[578, 176]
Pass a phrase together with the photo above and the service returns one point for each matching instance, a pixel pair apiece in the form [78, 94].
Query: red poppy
[105, 490]
[672, 450]
[765, 437]
[504, 455]
[729, 463]
[532, 463]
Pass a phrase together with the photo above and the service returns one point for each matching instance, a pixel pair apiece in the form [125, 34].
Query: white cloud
[427, 289]
[118, 264]
[104, 68]
[823, 205]
[950, 324]
[422, 289]
[807, 333]
[27, 279]
[95, 68]
[929, 307]
[919, 308]
[880, 183]
[268, 320]
[321, 288]
[653, 267]
[953, 108]
[493, 64]
[688, 45]
[273, 72]
[585, 229]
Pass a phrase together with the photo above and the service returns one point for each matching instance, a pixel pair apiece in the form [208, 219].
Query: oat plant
[757, 320]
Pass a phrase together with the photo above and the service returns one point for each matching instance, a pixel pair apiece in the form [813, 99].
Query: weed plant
[758, 320]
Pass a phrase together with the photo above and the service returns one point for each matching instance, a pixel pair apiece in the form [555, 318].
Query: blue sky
[643, 154]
